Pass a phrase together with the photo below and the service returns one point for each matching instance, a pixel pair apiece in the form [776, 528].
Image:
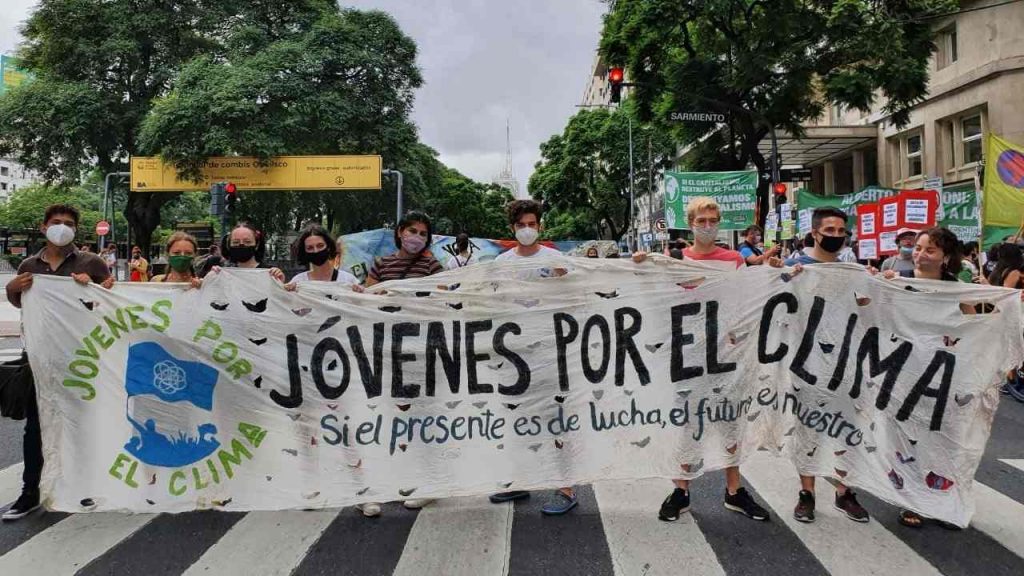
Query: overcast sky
[483, 61]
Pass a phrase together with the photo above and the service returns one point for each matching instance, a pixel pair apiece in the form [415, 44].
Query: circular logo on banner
[1011, 168]
[671, 190]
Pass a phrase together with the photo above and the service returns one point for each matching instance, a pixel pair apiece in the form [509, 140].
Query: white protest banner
[890, 214]
[867, 249]
[244, 396]
[887, 243]
[805, 220]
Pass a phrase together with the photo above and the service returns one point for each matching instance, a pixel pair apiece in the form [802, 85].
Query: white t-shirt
[343, 278]
[544, 252]
[457, 261]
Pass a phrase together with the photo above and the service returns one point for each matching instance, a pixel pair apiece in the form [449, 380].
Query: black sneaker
[804, 511]
[25, 505]
[744, 503]
[847, 503]
[676, 503]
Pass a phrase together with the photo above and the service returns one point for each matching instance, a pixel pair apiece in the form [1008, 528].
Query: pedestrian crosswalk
[471, 536]
[8, 354]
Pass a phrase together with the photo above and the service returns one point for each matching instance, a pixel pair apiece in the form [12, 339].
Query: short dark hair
[519, 208]
[752, 228]
[55, 209]
[462, 242]
[410, 218]
[299, 247]
[826, 212]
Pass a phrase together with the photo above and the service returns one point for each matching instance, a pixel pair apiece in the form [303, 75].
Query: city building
[12, 177]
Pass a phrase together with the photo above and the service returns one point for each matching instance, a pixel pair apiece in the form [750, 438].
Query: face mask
[239, 254]
[180, 263]
[706, 234]
[926, 262]
[527, 236]
[60, 234]
[317, 258]
[832, 244]
[906, 251]
[413, 243]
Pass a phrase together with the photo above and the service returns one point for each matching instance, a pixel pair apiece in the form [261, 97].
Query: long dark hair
[950, 246]
[299, 247]
[1008, 259]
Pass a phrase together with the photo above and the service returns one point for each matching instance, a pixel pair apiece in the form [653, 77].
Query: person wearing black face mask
[317, 249]
[244, 248]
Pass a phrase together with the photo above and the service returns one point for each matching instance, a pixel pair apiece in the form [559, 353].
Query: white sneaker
[369, 509]
[418, 503]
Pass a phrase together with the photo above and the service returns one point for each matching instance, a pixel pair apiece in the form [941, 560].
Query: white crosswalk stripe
[440, 541]
[1018, 464]
[464, 536]
[641, 545]
[72, 543]
[274, 541]
[862, 548]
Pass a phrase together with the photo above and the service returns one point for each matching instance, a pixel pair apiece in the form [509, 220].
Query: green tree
[766, 63]
[584, 172]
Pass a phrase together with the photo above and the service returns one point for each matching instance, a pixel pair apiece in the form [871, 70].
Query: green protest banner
[959, 208]
[735, 192]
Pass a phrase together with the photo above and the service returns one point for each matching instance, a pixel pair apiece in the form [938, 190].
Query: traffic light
[216, 199]
[230, 197]
[780, 193]
[615, 78]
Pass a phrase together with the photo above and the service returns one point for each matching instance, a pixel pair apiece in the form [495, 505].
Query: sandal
[563, 504]
[911, 519]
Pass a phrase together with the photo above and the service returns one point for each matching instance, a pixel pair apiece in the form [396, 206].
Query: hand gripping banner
[243, 396]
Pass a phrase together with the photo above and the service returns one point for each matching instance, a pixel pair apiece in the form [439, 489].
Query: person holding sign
[58, 258]
[524, 219]
[753, 255]
[316, 249]
[828, 227]
[703, 216]
[245, 248]
[904, 261]
[413, 237]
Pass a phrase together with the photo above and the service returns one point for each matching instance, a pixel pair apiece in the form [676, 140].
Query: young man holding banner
[703, 216]
[58, 258]
[828, 227]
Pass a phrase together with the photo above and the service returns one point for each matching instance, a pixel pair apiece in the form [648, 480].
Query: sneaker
[744, 503]
[417, 503]
[676, 503]
[560, 505]
[369, 509]
[25, 505]
[804, 511]
[847, 503]
[502, 497]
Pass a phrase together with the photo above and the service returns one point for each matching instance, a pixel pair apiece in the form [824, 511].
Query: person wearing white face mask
[524, 218]
[58, 258]
[904, 261]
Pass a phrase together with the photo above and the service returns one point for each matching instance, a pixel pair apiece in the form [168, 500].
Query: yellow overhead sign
[150, 174]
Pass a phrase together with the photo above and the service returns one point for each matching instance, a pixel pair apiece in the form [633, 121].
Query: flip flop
[561, 506]
[503, 497]
[911, 519]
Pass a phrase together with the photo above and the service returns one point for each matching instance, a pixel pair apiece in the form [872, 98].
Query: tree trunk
[143, 214]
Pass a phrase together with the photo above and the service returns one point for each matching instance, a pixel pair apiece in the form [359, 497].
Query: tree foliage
[768, 63]
[583, 174]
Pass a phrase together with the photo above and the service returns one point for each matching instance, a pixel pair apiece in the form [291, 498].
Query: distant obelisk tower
[507, 177]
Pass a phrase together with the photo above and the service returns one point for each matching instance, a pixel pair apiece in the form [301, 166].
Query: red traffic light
[779, 188]
[230, 188]
[616, 75]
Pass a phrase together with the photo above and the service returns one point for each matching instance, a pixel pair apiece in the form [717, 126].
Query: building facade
[12, 177]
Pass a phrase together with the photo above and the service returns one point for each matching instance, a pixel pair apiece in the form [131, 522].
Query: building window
[3, 185]
[4, 170]
[970, 135]
[914, 157]
[947, 45]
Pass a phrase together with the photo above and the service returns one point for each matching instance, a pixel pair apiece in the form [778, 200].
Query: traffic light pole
[775, 180]
[632, 200]
[398, 182]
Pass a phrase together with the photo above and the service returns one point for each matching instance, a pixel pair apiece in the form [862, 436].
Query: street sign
[795, 175]
[661, 236]
[102, 228]
[701, 117]
[661, 225]
[150, 174]
[646, 237]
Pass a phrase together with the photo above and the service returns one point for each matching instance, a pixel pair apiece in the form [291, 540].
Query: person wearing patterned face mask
[316, 249]
[412, 260]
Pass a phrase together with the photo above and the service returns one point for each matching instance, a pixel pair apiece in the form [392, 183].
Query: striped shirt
[394, 267]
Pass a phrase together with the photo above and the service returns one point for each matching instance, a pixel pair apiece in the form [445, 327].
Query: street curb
[10, 329]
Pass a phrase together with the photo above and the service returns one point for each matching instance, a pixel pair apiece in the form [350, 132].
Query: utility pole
[632, 200]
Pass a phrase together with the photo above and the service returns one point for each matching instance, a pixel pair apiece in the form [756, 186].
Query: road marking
[10, 483]
[642, 545]
[70, 544]
[841, 545]
[459, 537]
[269, 543]
[999, 516]
[1018, 464]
